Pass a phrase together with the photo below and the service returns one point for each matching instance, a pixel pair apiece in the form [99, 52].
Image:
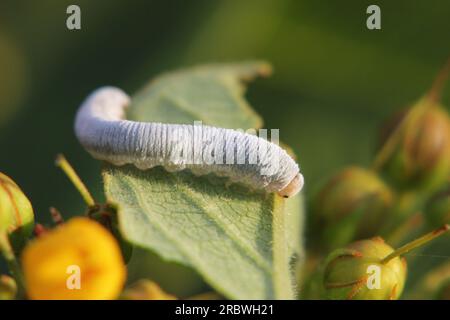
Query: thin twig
[416, 243]
[73, 176]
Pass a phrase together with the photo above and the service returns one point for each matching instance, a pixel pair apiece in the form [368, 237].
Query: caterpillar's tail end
[293, 187]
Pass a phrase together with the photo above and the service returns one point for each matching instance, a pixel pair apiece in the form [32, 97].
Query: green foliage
[326, 105]
[345, 275]
[240, 242]
[209, 93]
[389, 200]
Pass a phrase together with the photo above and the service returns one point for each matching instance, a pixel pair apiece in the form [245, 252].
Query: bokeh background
[334, 79]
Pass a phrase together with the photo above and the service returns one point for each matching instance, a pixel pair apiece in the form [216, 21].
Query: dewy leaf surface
[241, 242]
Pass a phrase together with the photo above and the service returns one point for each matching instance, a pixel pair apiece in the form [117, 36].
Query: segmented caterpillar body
[102, 129]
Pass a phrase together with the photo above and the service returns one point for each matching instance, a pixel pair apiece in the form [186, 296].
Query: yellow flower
[78, 260]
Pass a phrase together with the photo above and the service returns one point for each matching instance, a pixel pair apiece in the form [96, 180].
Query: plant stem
[438, 84]
[75, 179]
[13, 264]
[282, 279]
[416, 243]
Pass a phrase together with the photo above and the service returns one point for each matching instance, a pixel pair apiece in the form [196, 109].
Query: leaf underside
[239, 241]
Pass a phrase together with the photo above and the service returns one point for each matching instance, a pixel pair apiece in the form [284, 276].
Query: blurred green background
[334, 79]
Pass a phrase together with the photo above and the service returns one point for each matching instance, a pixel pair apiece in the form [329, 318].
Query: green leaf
[210, 93]
[240, 242]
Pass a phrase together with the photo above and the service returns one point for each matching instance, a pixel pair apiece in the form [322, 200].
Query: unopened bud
[416, 146]
[370, 269]
[16, 212]
[352, 205]
[357, 272]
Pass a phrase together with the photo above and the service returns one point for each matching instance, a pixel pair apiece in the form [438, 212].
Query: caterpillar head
[293, 187]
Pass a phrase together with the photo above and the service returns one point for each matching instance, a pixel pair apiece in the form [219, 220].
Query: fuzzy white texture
[102, 129]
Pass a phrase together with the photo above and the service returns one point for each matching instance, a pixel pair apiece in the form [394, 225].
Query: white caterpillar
[101, 128]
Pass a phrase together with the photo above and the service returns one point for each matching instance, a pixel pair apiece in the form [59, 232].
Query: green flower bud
[437, 211]
[353, 204]
[8, 287]
[415, 147]
[6, 219]
[16, 212]
[357, 272]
